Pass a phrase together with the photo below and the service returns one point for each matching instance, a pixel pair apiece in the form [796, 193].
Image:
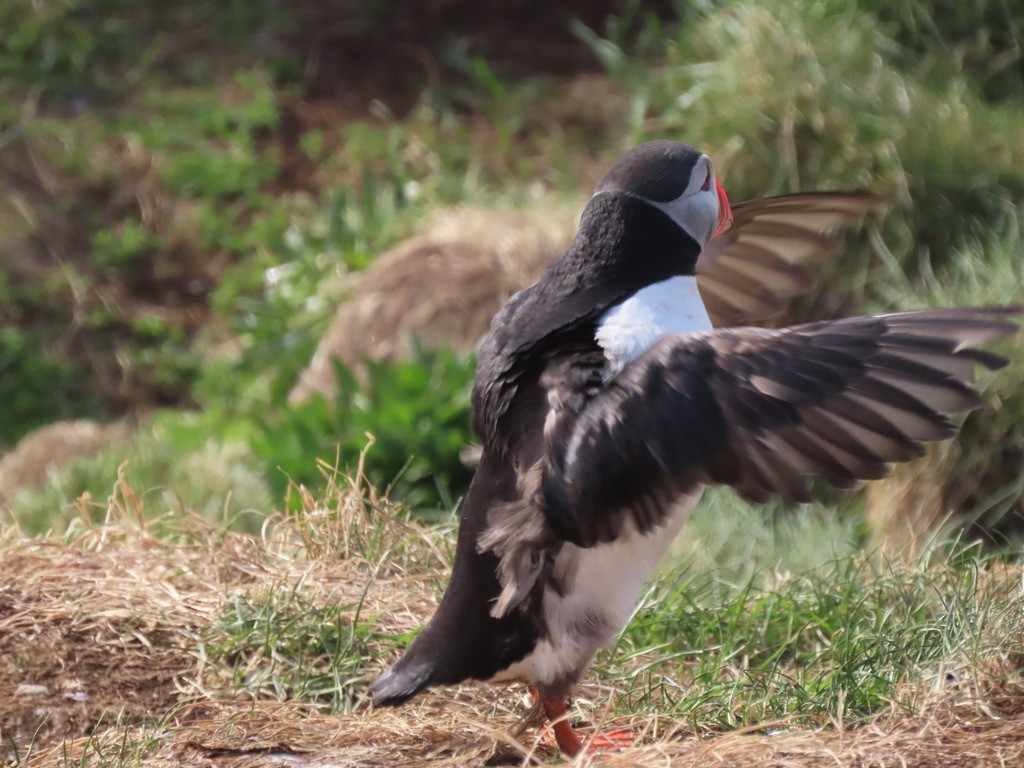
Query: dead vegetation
[980, 726]
[442, 285]
[112, 621]
[109, 652]
[49, 448]
[99, 627]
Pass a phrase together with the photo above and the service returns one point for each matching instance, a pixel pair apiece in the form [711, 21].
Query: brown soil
[354, 57]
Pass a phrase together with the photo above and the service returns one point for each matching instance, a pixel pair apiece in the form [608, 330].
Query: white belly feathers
[599, 600]
[671, 306]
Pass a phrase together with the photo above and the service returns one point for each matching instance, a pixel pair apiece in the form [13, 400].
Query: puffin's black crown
[657, 170]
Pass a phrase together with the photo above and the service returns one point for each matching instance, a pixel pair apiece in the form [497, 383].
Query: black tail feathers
[400, 683]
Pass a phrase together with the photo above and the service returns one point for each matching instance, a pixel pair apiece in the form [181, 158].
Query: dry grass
[49, 448]
[100, 625]
[980, 726]
[107, 647]
[108, 623]
[442, 285]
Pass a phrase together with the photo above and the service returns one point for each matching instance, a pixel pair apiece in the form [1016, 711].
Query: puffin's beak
[724, 211]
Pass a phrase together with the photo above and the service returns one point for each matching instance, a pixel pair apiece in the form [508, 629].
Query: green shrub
[417, 413]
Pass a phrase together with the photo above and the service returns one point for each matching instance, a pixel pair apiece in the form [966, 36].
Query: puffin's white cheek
[696, 214]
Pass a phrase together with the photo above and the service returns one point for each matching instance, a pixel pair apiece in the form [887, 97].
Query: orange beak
[724, 211]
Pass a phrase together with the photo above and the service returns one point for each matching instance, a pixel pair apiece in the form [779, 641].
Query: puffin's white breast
[671, 306]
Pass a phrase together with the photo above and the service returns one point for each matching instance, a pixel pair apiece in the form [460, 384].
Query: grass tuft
[281, 645]
[725, 654]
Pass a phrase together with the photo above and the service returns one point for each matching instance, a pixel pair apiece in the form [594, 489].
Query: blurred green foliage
[216, 480]
[184, 212]
[28, 407]
[77, 49]
[980, 38]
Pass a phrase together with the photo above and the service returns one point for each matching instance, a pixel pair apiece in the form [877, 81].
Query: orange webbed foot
[618, 738]
[568, 740]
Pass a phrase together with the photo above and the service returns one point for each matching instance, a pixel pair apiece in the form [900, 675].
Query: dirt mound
[90, 632]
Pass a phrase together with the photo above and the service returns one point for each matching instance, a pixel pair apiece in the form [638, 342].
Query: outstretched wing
[753, 270]
[759, 410]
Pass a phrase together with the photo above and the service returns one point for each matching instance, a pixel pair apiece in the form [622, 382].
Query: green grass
[721, 654]
[216, 480]
[281, 645]
[761, 615]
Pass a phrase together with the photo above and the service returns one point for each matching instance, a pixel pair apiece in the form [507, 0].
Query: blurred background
[238, 237]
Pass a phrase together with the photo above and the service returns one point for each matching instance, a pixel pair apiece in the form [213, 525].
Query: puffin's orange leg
[565, 736]
[568, 741]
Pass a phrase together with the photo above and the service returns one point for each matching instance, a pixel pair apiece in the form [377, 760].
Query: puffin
[613, 390]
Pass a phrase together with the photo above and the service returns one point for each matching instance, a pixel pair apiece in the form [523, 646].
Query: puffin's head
[676, 179]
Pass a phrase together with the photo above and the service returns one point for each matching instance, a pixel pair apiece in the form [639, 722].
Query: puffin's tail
[407, 677]
[462, 640]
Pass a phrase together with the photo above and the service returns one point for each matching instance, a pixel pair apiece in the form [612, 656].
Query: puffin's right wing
[759, 410]
[754, 269]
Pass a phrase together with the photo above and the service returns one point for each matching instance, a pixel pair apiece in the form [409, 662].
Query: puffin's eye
[707, 181]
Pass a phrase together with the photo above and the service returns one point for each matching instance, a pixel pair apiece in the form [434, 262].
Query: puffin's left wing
[754, 269]
[759, 410]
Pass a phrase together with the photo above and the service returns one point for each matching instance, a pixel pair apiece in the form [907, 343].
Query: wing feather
[752, 271]
[759, 410]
